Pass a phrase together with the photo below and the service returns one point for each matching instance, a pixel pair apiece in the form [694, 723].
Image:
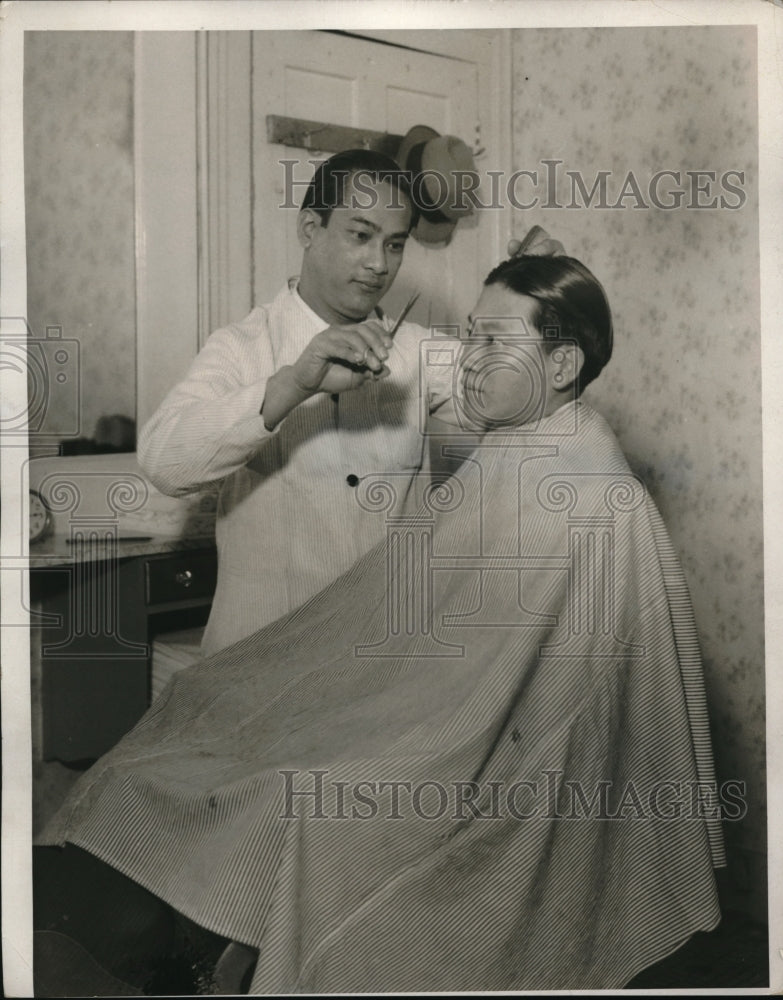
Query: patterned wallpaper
[683, 389]
[78, 120]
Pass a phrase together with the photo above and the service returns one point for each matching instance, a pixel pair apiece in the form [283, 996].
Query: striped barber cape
[480, 760]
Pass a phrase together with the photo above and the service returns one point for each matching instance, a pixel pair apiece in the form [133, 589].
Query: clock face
[40, 518]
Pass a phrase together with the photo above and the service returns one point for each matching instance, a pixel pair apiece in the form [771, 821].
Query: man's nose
[376, 258]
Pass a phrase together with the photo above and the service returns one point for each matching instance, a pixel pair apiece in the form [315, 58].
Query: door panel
[404, 105]
[320, 96]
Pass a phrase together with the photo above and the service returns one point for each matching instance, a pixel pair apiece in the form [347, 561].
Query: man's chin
[363, 302]
[355, 315]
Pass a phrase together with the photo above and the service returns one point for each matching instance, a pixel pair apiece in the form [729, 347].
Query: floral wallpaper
[78, 129]
[678, 257]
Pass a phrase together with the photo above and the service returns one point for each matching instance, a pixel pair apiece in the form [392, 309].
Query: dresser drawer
[181, 577]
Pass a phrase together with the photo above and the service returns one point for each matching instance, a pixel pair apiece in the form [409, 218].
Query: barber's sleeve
[210, 424]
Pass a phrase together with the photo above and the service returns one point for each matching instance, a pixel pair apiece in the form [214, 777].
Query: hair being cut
[326, 189]
[572, 306]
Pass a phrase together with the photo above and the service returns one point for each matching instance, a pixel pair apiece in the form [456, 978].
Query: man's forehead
[398, 226]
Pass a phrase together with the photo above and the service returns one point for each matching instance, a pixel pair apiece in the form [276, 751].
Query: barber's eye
[396, 247]
[360, 235]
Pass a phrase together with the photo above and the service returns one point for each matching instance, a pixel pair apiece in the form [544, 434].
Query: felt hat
[434, 162]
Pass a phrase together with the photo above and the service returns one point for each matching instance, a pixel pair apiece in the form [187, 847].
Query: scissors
[400, 320]
[403, 314]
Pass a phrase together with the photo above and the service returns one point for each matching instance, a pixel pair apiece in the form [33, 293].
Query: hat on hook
[435, 163]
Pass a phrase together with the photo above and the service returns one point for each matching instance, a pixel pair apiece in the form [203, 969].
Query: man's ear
[565, 363]
[306, 223]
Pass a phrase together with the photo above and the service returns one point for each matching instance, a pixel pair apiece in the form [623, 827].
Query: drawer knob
[184, 578]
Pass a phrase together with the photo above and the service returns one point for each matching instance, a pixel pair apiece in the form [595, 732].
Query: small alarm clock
[40, 519]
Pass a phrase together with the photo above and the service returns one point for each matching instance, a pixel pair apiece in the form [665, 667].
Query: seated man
[469, 763]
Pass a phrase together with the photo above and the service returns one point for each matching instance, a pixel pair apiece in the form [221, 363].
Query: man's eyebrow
[360, 220]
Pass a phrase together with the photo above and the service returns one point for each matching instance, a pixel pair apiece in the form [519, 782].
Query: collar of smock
[293, 288]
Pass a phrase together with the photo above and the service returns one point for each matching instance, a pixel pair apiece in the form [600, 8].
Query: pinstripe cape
[468, 764]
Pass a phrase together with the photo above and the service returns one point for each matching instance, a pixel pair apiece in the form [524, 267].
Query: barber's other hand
[537, 243]
[341, 358]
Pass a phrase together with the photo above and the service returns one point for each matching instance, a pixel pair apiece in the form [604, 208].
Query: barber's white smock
[289, 516]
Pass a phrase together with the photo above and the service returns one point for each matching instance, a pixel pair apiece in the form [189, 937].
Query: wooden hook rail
[321, 136]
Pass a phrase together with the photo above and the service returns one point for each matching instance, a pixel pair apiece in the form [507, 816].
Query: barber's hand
[537, 243]
[341, 358]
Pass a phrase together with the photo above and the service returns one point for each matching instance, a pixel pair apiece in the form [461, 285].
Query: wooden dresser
[96, 605]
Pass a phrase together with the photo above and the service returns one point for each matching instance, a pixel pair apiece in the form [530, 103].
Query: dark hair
[326, 189]
[572, 305]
